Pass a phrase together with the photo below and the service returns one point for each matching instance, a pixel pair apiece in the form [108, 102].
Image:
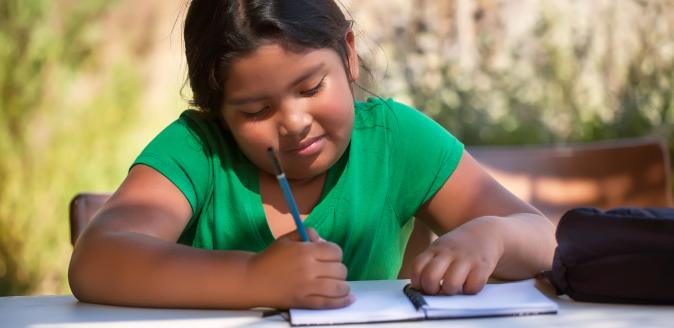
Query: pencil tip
[274, 161]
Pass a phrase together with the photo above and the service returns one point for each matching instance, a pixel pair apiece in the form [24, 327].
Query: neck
[297, 182]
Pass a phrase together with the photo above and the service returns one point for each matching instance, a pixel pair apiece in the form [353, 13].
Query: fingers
[432, 274]
[435, 273]
[333, 270]
[329, 293]
[295, 235]
[418, 266]
[333, 288]
[313, 235]
[454, 278]
[476, 280]
[321, 302]
[327, 252]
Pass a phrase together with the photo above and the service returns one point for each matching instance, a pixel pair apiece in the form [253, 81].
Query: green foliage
[64, 123]
[579, 71]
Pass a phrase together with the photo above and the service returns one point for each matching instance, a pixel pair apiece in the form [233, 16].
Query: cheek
[345, 120]
[256, 136]
[336, 113]
[341, 119]
[253, 140]
[250, 135]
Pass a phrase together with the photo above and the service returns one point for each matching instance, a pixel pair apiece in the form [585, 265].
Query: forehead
[272, 64]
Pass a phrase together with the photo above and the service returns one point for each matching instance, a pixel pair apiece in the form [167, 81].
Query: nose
[294, 121]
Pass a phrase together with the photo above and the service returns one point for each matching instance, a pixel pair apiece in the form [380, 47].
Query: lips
[304, 144]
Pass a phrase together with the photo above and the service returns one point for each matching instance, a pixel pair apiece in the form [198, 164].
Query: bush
[64, 121]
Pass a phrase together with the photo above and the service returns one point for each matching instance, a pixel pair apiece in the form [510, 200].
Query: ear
[354, 68]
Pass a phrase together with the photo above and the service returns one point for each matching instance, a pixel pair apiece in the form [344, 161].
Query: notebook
[393, 300]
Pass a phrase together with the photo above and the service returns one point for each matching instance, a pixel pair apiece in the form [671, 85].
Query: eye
[314, 90]
[258, 113]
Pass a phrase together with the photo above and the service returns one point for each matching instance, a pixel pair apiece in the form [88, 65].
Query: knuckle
[318, 303]
[333, 249]
[343, 271]
[483, 261]
[297, 300]
[342, 302]
[338, 252]
[429, 285]
[336, 302]
[343, 289]
[418, 265]
[312, 303]
[472, 288]
[305, 267]
[335, 290]
[451, 288]
[302, 250]
[309, 302]
[323, 287]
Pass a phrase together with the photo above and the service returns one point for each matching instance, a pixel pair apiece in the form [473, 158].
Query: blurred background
[84, 85]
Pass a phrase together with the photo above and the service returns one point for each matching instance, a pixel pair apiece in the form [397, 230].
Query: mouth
[308, 146]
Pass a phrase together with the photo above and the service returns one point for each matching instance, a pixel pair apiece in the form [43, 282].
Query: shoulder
[195, 124]
[187, 152]
[395, 116]
[193, 131]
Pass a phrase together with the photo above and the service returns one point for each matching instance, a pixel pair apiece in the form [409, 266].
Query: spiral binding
[414, 296]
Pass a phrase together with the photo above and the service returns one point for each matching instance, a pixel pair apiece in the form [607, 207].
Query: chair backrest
[82, 209]
[631, 172]
[604, 175]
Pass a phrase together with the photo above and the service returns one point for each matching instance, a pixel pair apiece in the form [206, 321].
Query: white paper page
[514, 298]
[376, 301]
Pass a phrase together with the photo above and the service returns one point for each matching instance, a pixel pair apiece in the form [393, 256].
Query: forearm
[528, 244]
[126, 268]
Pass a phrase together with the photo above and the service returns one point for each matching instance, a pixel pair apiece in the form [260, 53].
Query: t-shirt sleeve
[179, 153]
[424, 156]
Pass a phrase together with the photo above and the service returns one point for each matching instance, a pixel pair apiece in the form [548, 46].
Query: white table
[66, 311]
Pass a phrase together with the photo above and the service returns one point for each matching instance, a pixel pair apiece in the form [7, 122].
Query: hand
[460, 261]
[296, 274]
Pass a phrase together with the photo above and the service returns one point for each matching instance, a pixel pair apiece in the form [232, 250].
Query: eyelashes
[259, 113]
[316, 89]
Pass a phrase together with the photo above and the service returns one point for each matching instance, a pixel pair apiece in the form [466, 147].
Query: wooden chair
[634, 172]
[83, 207]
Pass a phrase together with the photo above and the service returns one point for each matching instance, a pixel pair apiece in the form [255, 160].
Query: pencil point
[274, 161]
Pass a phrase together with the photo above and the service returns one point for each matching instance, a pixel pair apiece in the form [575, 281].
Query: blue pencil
[281, 177]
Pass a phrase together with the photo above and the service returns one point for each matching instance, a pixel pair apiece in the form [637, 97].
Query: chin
[312, 168]
[307, 173]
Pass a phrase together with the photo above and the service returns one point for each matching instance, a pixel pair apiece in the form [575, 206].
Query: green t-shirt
[397, 160]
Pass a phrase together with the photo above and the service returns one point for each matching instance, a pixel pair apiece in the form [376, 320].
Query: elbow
[77, 277]
[83, 270]
[77, 287]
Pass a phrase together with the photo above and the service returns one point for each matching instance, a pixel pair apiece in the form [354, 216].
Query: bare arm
[128, 256]
[484, 230]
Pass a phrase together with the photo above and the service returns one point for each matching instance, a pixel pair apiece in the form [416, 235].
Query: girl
[201, 222]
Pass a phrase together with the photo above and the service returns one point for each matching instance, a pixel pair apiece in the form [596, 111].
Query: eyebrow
[307, 74]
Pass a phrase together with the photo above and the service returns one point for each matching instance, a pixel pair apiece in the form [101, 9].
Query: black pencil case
[624, 255]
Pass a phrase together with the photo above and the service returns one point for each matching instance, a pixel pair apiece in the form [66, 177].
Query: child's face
[299, 103]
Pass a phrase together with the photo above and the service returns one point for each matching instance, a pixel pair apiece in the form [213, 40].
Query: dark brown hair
[219, 31]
